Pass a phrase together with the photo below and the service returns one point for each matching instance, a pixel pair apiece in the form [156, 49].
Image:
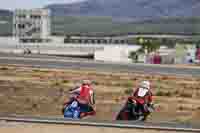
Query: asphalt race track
[44, 61]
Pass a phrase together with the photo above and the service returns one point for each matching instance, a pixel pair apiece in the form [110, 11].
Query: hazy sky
[27, 4]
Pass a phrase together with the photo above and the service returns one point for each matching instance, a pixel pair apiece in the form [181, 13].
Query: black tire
[119, 117]
[62, 111]
[127, 107]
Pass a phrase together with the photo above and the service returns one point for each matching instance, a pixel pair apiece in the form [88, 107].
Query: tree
[133, 55]
[149, 45]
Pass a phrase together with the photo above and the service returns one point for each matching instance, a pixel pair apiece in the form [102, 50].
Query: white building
[34, 23]
[116, 53]
[185, 53]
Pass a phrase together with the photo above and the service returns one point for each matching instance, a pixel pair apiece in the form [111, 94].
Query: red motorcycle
[132, 110]
[74, 109]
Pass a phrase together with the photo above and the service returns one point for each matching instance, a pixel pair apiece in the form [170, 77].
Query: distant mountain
[5, 22]
[105, 25]
[5, 13]
[136, 9]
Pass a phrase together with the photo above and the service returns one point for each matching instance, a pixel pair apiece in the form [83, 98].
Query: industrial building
[31, 24]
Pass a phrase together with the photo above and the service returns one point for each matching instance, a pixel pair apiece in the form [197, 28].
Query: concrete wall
[8, 40]
[63, 49]
[11, 45]
[103, 52]
[57, 39]
[115, 53]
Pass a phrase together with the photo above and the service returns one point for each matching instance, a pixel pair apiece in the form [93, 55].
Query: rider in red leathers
[85, 97]
[143, 95]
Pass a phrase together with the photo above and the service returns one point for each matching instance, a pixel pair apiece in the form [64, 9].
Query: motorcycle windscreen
[72, 111]
[142, 92]
[74, 104]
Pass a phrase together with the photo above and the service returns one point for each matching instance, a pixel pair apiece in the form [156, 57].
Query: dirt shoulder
[41, 92]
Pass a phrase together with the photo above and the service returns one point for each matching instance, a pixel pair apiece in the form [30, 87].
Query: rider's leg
[86, 108]
[140, 108]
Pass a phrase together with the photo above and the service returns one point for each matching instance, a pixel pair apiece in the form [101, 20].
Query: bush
[65, 81]
[184, 94]
[176, 92]
[95, 83]
[162, 93]
[128, 91]
[133, 56]
[40, 71]
[4, 68]
[56, 83]
[168, 94]
[34, 105]
[127, 84]
[181, 108]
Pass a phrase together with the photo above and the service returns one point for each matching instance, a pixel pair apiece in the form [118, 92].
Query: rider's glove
[151, 107]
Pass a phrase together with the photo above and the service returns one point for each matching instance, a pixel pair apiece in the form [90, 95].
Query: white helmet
[145, 84]
[86, 82]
